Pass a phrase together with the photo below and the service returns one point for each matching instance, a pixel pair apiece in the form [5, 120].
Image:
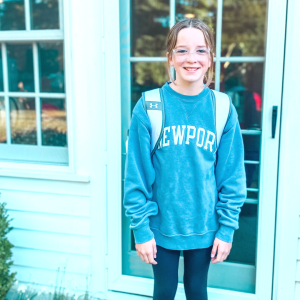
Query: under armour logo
[153, 105]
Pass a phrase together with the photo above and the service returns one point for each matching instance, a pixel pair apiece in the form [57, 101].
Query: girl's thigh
[196, 265]
[165, 273]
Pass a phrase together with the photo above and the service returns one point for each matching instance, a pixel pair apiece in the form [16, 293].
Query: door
[247, 69]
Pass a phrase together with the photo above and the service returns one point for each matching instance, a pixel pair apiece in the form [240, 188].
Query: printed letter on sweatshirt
[209, 133]
[168, 143]
[189, 136]
[198, 135]
[178, 134]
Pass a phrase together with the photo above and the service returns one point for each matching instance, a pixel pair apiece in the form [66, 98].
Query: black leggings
[196, 265]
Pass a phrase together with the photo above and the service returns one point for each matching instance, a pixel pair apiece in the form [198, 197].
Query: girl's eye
[181, 51]
[201, 51]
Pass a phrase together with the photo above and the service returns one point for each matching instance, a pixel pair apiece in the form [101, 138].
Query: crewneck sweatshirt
[190, 191]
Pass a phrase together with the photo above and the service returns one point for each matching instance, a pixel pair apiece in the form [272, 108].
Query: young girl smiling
[188, 195]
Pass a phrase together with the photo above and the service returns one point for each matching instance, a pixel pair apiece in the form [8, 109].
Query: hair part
[209, 39]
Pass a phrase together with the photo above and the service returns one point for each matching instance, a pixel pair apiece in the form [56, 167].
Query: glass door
[240, 28]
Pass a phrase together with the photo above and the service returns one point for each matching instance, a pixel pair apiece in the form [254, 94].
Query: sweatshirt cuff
[225, 234]
[143, 234]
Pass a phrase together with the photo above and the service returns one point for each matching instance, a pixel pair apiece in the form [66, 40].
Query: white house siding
[292, 145]
[51, 229]
[297, 285]
[286, 280]
[55, 220]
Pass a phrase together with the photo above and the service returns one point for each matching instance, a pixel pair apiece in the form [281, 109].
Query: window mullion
[32, 95]
[218, 44]
[37, 91]
[242, 59]
[27, 14]
[6, 98]
[60, 17]
[172, 22]
[31, 35]
[172, 12]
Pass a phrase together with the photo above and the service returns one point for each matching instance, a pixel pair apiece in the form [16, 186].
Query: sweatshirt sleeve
[230, 178]
[139, 176]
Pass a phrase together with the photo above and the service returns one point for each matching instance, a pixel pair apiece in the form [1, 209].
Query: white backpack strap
[222, 113]
[153, 104]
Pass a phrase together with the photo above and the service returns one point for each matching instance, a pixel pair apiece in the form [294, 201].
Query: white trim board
[288, 204]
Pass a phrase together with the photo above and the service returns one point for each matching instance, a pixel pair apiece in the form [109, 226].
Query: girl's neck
[189, 89]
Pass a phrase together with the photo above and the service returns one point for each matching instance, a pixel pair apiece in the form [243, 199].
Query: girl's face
[191, 68]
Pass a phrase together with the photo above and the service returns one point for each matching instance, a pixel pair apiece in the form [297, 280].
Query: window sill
[56, 176]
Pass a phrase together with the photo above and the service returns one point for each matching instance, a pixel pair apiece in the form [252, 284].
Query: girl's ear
[170, 59]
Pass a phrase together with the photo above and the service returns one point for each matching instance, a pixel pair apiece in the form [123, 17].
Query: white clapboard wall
[51, 230]
[60, 219]
[297, 285]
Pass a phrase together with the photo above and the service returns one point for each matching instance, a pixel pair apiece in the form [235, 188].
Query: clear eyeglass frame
[185, 52]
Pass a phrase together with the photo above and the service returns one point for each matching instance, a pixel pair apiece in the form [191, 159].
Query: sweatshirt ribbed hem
[181, 242]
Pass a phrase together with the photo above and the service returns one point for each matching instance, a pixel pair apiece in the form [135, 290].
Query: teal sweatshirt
[189, 192]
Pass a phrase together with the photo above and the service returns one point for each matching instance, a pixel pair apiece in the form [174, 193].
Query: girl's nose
[190, 57]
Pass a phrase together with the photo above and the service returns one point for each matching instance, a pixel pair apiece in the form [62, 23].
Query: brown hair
[208, 36]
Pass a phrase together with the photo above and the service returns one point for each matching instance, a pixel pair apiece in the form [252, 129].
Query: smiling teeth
[191, 69]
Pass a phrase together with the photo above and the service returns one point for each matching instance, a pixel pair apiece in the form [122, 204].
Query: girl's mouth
[190, 69]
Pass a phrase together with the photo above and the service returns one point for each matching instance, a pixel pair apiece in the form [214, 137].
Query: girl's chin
[192, 79]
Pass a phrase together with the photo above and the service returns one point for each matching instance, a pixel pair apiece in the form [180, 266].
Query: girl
[188, 196]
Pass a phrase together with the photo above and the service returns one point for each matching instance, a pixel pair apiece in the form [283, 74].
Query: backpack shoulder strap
[223, 107]
[154, 106]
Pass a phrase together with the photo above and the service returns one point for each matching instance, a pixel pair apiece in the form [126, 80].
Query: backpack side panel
[153, 103]
[222, 105]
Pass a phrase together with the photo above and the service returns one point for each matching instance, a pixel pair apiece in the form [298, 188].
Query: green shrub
[6, 279]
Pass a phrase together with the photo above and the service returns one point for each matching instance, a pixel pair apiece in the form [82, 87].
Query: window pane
[243, 28]
[44, 14]
[12, 15]
[204, 10]
[252, 146]
[244, 240]
[20, 67]
[54, 125]
[146, 76]
[2, 121]
[51, 64]
[252, 171]
[1, 71]
[252, 195]
[243, 82]
[23, 121]
[149, 27]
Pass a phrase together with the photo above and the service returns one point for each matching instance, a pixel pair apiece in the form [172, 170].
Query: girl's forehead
[190, 35]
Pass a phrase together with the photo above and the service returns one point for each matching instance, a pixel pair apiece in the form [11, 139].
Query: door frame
[287, 245]
[272, 94]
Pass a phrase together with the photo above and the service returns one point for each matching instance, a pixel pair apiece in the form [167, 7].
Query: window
[33, 107]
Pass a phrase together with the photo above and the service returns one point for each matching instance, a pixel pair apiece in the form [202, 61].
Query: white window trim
[288, 204]
[49, 35]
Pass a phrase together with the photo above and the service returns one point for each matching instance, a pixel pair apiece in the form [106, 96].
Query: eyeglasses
[183, 52]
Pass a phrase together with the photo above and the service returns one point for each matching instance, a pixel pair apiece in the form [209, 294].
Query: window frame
[66, 154]
[276, 22]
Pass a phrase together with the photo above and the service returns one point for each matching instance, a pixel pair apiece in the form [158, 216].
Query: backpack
[154, 106]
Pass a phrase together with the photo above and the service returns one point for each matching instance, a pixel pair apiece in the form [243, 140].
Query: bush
[6, 280]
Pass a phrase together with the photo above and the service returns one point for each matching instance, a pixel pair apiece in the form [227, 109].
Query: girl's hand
[223, 251]
[147, 251]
